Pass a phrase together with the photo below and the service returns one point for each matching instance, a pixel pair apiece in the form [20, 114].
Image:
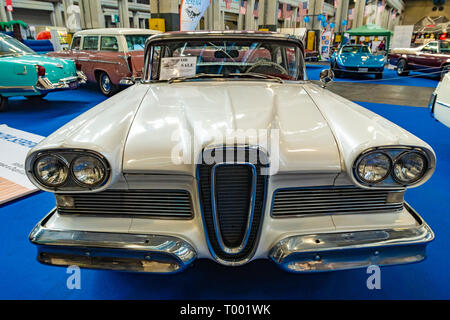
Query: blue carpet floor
[21, 277]
[389, 77]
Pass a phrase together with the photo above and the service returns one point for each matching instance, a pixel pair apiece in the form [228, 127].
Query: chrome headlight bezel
[395, 153]
[68, 156]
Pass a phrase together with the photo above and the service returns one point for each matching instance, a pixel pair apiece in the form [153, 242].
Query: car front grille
[232, 198]
[145, 203]
[334, 200]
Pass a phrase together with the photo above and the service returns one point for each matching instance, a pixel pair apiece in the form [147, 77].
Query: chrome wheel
[105, 82]
[107, 87]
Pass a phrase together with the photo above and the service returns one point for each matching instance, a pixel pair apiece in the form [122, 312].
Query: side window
[76, 43]
[109, 44]
[90, 43]
[430, 48]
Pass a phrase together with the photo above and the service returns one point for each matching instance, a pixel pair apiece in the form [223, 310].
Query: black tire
[105, 85]
[445, 70]
[3, 103]
[402, 68]
[36, 98]
[337, 73]
[379, 75]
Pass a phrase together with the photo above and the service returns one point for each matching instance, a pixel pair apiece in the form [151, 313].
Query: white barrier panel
[14, 147]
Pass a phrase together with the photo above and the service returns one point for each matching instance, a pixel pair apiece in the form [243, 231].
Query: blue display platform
[390, 77]
[21, 277]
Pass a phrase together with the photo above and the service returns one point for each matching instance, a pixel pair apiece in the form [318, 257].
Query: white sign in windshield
[178, 67]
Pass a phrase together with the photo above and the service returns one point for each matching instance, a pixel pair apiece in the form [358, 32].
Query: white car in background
[440, 101]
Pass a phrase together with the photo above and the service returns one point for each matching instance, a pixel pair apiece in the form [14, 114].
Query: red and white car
[110, 57]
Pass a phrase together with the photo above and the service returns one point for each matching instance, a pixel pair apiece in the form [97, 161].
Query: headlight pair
[55, 170]
[405, 168]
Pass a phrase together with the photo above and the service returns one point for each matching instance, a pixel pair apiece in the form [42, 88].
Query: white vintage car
[440, 101]
[226, 152]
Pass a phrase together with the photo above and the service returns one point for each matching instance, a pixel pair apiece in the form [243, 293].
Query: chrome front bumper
[45, 85]
[350, 250]
[113, 251]
[168, 254]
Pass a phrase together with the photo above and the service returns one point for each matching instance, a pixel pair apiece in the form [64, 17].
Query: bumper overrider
[45, 85]
[168, 254]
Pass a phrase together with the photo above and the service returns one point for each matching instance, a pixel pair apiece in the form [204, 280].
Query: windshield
[136, 42]
[11, 46]
[232, 58]
[355, 49]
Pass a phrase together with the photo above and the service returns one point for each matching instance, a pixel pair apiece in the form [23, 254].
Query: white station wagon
[226, 152]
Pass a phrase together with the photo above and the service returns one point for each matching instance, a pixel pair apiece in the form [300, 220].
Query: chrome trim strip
[99, 61]
[251, 209]
[18, 89]
[349, 250]
[443, 104]
[113, 251]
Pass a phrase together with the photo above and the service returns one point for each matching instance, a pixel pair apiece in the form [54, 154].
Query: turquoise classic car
[24, 73]
[357, 58]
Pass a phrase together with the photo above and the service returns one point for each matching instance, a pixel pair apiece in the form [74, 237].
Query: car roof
[223, 34]
[117, 31]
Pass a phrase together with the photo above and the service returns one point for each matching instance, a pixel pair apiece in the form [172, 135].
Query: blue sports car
[357, 58]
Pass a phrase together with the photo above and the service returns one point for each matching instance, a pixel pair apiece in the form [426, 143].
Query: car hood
[360, 59]
[55, 68]
[176, 121]
[145, 128]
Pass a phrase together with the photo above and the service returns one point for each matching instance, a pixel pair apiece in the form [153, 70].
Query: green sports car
[24, 73]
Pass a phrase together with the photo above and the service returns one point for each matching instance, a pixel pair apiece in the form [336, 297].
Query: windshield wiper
[256, 75]
[197, 76]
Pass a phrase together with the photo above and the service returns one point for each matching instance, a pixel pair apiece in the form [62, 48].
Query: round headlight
[52, 171]
[410, 167]
[88, 170]
[374, 167]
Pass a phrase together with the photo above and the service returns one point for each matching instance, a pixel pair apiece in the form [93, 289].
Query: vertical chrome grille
[232, 197]
[334, 200]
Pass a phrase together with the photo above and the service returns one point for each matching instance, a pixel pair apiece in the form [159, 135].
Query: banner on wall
[325, 44]
[14, 147]
[191, 11]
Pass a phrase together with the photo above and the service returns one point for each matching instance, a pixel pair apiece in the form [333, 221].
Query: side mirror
[326, 76]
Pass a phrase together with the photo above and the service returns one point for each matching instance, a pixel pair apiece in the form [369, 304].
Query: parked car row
[24, 73]
[112, 58]
[109, 57]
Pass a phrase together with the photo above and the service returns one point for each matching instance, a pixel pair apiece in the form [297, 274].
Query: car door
[111, 60]
[87, 55]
